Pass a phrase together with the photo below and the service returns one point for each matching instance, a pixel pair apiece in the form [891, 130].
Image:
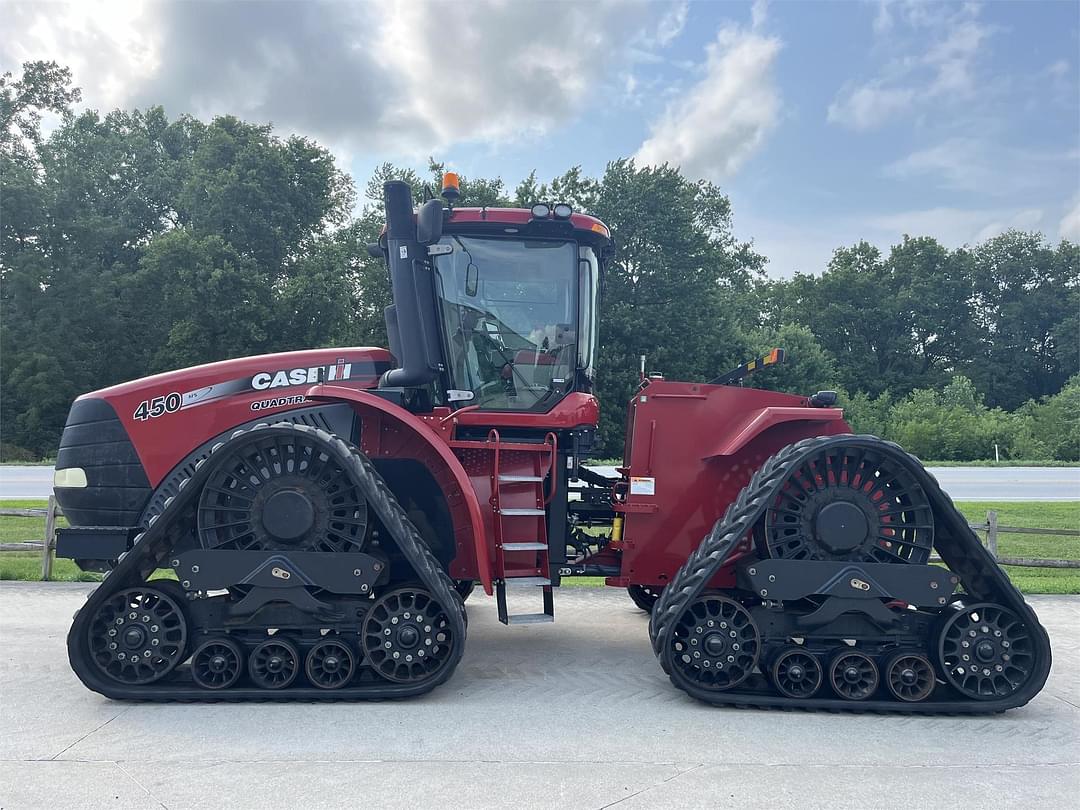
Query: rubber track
[152, 548]
[955, 542]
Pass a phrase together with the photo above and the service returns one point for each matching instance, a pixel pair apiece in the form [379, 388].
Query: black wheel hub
[850, 504]
[138, 636]
[716, 643]
[288, 514]
[278, 493]
[841, 527]
[407, 636]
[985, 651]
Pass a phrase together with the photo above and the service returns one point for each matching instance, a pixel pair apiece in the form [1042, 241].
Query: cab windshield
[510, 320]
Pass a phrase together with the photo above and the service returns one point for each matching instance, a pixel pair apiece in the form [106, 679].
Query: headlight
[70, 478]
[541, 211]
[563, 211]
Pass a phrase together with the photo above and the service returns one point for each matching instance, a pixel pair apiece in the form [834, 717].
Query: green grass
[26, 565]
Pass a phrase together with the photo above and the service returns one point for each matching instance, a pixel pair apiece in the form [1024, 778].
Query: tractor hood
[165, 415]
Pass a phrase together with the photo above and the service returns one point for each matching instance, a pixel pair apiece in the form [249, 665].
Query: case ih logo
[301, 376]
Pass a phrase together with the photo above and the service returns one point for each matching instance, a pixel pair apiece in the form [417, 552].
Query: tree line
[133, 243]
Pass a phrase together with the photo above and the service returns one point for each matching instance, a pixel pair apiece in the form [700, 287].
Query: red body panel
[694, 447]
[218, 396]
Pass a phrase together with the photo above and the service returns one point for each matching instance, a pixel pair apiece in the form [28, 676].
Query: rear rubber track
[955, 542]
[151, 550]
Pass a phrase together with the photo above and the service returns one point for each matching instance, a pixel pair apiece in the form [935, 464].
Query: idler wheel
[138, 636]
[407, 636]
[330, 664]
[274, 664]
[796, 673]
[853, 675]
[909, 677]
[985, 651]
[217, 663]
[716, 643]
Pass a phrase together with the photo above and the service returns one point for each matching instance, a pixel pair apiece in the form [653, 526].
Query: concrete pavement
[574, 714]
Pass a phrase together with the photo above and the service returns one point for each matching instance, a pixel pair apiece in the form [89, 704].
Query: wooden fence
[990, 528]
[47, 544]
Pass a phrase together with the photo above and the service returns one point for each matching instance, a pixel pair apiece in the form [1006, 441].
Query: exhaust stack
[412, 321]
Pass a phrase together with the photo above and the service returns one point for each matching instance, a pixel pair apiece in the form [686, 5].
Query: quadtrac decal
[270, 380]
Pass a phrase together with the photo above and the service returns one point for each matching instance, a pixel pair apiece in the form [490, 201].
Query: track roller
[217, 663]
[796, 673]
[909, 676]
[853, 675]
[330, 664]
[274, 664]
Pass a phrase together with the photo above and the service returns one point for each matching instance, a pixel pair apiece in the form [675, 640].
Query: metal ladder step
[513, 512]
[529, 618]
[524, 546]
[520, 479]
[528, 581]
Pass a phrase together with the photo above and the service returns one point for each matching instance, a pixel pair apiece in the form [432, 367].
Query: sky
[825, 122]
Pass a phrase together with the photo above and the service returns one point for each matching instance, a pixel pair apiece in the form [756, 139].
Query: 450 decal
[158, 406]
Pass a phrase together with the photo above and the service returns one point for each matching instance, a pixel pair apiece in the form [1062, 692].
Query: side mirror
[472, 280]
[429, 222]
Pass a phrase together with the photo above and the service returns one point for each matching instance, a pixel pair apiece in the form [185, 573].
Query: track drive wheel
[909, 676]
[138, 636]
[217, 663]
[796, 673]
[853, 675]
[407, 636]
[716, 643]
[330, 664]
[274, 664]
[850, 503]
[985, 651]
[645, 596]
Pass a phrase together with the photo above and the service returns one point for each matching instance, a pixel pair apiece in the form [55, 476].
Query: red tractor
[326, 512]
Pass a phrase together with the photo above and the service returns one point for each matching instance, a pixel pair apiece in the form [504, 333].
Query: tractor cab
[494, 308]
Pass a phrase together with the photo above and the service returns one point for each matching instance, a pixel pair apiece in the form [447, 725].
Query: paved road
[575, 714]
[962, 483]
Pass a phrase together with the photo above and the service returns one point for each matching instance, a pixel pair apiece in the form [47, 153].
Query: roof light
[541, 211]
[451, 186]
[562, 211]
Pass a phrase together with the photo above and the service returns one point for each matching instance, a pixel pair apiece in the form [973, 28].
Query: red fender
[756, 422]
[428, 435]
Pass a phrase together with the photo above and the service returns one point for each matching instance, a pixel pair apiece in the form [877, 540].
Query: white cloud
[759, 12]
[980, 165]
[1069, 227]
[935, 59]
[672, 23]
[716, 125]
[401, 76]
